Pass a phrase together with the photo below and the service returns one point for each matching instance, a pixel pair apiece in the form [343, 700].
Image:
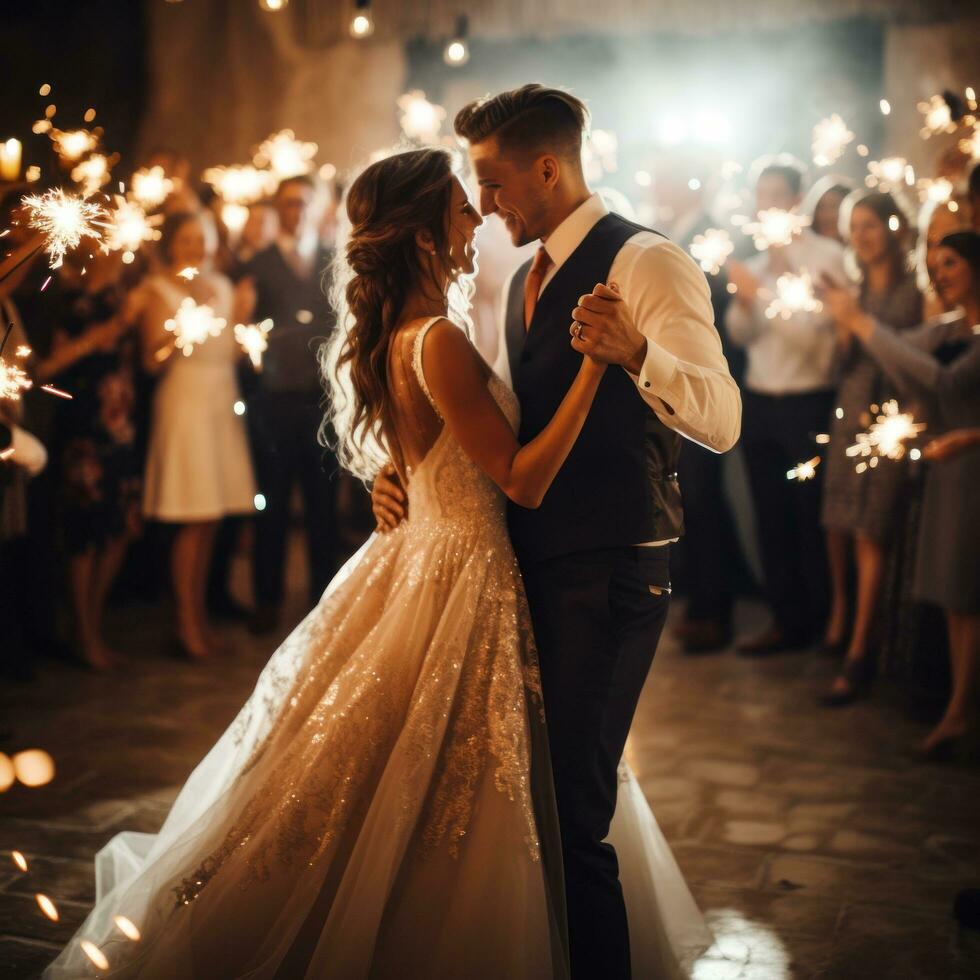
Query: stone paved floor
[814, 844]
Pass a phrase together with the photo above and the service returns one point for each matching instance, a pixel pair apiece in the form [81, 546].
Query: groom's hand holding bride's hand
[603, 329]
[388, 500]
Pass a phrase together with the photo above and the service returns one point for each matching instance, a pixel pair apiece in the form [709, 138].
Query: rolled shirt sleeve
[685, 377]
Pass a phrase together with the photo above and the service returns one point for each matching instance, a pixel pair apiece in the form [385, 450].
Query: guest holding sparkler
[935, 221]
[198, 468]
[284, 411]
[941, 362]
[787, 396]
[859, 509]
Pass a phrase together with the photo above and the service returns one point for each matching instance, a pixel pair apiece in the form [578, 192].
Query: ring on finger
[579, 327]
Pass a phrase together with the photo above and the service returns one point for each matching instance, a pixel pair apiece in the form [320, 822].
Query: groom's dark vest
[619, 483]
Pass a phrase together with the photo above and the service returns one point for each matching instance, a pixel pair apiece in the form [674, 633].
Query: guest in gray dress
[939, 364]
[858, 509]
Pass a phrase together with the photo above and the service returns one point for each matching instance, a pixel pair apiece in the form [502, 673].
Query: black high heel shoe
[859, 675]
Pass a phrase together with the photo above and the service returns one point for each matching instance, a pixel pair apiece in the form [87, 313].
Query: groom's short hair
[529, 120]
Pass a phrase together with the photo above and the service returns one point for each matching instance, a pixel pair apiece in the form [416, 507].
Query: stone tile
[750, 803]
[723, 772]
[60, 878]
[753, 832]
[22, 916]
[720, 865]
[25, 958]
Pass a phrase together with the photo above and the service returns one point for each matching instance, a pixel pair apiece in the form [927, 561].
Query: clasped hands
[602, 328]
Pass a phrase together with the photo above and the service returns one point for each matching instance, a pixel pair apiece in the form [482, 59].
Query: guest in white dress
[198, 468]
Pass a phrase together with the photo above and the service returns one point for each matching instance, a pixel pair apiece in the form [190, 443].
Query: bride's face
[464, 219]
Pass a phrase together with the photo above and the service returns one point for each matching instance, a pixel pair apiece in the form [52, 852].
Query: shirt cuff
[659, 368]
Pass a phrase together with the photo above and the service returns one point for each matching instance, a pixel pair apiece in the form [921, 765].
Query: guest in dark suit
[283, 408]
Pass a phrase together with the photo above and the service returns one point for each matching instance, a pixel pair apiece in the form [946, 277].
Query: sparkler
[240, 184]
[285, 155]
[12, 381]
[253, 338]
[192, 325]
[830, 136]
[72, 145]
[887, 173]
[804, 471]
[91, 173]
[420, 119]
[63, 220]
[886, 436]
[794, 294]
[129, 227]
[939, 190]
[936, 117]
[775, 227]
[189, 274]
[150, 187]
[234, 217]
[712, 249]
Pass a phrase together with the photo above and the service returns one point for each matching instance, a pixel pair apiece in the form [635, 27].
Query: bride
[382, 805]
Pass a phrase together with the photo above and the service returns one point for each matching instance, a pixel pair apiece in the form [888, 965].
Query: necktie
[532, 285]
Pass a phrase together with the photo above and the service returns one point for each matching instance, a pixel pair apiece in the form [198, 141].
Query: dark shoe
[264, 620]
[858, 675]
[770, 642]
[966, 908]
[705, 636]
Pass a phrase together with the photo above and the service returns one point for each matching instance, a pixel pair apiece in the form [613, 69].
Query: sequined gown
[373, 811]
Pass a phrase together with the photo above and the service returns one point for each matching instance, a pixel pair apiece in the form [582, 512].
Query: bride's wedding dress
[382, 805]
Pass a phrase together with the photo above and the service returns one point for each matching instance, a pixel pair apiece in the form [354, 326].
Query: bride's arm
[457, 379]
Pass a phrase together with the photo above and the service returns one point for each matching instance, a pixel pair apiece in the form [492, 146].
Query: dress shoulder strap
[417, 361]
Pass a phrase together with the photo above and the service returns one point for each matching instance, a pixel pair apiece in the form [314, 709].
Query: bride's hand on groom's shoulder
[603, 329]
[388, 501]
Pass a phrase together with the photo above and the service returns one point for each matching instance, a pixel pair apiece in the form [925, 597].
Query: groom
[595, 554]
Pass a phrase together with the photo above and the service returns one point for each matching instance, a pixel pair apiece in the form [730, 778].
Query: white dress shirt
[685, 377]
[795, 355]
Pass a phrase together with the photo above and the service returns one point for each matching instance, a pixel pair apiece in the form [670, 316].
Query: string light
[362, 23]
[457, 51]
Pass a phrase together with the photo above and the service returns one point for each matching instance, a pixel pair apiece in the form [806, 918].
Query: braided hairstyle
[387, 205]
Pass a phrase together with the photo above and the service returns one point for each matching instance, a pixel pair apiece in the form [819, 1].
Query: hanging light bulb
[457, 51]
[362, 23]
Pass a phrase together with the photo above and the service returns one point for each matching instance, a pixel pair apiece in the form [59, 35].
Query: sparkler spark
[192, 325]
[971, 144]
[47, 907]
[887, 173]
[939, 190]
[240, 184]
[63, 220]
[253, 338]
[285, 155]
[150, 187]
[189, 273]
[804, 471]
[794, 294]
[830, 136]
[936, 117]
[886, 436]
[95, 954]
[128, 227]
[127, 928]
[19, 860]
[420, 119]
[5, 454]
[775, 227]
[12, 381]
[57, 392]
[73, 144]
[91, 174]
[712, 249]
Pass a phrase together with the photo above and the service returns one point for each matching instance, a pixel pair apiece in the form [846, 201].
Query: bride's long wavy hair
[377, 265]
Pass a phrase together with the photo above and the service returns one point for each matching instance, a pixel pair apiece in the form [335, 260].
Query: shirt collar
[572, 231]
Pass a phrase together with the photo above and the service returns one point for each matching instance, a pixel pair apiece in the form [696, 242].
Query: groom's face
[511, 190]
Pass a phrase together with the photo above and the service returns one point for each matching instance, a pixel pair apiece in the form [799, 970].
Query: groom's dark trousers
[597, 618]
[598, 599]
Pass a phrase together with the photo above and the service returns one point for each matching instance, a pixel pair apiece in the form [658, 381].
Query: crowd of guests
[161, 460]
[210, 449]
[853, 557]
